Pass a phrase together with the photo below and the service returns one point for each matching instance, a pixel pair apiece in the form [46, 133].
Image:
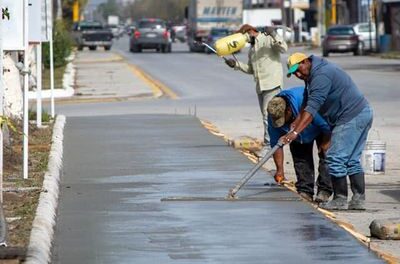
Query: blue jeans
[347, 143]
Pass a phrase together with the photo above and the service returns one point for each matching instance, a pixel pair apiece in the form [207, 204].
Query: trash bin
[385, 43]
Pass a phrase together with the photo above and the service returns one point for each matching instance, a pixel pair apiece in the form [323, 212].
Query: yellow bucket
[230, 44]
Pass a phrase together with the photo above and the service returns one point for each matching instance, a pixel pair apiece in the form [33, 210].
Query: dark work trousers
[304, 167]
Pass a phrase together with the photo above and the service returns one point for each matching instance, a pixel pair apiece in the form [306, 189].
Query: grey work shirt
[331, 92]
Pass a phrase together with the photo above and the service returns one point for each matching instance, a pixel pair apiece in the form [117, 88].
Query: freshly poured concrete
[118, 168]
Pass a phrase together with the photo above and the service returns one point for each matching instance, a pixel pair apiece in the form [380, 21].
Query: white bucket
[373, 157]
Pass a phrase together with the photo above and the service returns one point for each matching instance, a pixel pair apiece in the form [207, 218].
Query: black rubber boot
[339, 201]
[357, 185]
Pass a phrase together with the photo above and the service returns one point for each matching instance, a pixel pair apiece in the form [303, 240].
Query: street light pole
[321, 20]
[369, 24]
[377, 20]
[283, 10]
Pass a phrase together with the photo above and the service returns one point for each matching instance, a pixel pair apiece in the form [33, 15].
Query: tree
[108, 9]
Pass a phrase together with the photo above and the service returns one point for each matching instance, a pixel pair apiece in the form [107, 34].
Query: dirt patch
[20, 197]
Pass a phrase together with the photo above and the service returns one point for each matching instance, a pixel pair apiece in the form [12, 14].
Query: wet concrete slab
[118, 171]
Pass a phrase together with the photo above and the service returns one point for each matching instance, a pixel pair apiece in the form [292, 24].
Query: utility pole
[333, 16]
[283, 10]
[75, 11]
[369, 24]
[321, 20]
[377, 9]
[290, 14]
[59, 10]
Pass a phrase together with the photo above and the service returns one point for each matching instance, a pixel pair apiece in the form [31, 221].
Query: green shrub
[46, 117]
[62, 45]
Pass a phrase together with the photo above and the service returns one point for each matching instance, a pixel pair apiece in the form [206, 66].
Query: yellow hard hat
[293, 62]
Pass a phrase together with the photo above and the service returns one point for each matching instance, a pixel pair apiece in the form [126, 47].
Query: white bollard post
[26, 102]
[52, 76]
[1, 105]
[39, 85]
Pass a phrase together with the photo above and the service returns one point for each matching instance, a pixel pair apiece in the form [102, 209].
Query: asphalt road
[227, 97]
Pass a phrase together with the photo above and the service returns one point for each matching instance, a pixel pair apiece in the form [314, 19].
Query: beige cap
[276, 110]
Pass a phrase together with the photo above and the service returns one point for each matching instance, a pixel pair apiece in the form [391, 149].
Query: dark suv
[150, 33]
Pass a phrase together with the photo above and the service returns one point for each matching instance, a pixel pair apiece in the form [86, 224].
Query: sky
[96, 2]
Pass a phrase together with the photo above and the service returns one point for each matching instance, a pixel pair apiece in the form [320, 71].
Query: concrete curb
[43, 225]
[68, 83]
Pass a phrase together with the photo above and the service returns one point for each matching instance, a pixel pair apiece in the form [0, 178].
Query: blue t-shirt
[294, 96]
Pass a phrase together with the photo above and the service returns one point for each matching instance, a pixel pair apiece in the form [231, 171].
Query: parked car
[180, 33]
[288, 34]
[130, 29]
[91, 34]
[367, 34]
[214, 35]
[114, 30]
[150, 33]
[340, 39]
[279, 30]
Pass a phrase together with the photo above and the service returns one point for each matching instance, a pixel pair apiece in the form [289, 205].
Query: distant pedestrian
[332, 93]
[264, 63]
[282, 111]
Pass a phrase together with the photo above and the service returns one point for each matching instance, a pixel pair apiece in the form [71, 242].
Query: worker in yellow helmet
[331, 92]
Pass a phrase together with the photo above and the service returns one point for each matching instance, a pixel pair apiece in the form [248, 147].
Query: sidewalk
[115, 80]
[124, 204]
[383, 191]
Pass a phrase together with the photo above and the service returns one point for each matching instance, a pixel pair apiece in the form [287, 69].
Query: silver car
[341, 39]
[367, 34]
[150, 33]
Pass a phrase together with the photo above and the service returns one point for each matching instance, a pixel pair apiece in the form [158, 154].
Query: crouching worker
[282, 111]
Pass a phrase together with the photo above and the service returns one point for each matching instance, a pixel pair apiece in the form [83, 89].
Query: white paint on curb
[39, 249]
[68, 83]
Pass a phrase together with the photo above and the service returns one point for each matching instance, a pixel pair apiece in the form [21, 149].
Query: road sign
[13, 26]
[47, 20]
[35, 21]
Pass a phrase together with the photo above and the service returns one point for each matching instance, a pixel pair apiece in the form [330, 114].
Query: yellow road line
[78, 100]
[157, 87]
[115, 58]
